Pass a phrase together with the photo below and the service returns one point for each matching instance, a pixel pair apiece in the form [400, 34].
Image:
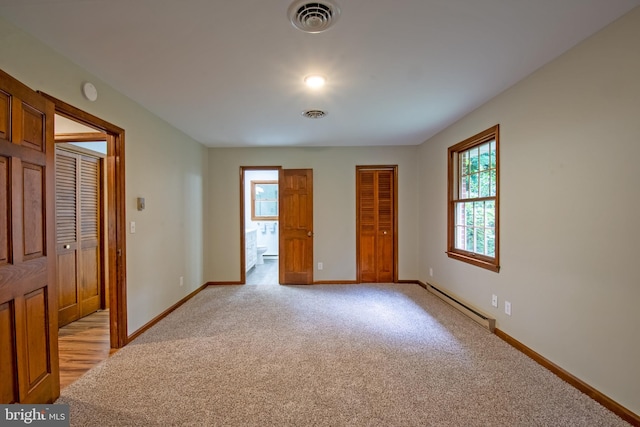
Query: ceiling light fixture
[315, 81]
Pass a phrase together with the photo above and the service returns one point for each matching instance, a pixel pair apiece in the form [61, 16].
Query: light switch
[140, 203]
[132, 227]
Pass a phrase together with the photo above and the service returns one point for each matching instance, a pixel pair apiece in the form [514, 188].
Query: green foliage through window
[475, 221]
[473, 199]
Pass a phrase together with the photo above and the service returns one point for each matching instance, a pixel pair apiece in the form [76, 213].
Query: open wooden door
[28, 309]
[296, 226]
[376, 224]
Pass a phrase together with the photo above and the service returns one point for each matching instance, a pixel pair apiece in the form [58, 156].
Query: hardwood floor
[82, 345]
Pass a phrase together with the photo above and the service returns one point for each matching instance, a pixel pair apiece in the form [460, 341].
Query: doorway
[80, 220]
[28, 310]
[292, 208]
[377, 223]
[114, 238]
[260, 222]
[83, 307]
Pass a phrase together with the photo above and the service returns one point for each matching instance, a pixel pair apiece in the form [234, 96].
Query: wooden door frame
[116, 216]
[243, 169]
[394, 168]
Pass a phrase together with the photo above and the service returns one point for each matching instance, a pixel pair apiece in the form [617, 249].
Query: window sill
[477, 261]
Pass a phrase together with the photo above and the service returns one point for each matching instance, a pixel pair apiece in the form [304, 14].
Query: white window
[264, 200]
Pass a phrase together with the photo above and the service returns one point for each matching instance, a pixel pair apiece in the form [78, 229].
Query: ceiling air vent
[313, 17]
[314, 114]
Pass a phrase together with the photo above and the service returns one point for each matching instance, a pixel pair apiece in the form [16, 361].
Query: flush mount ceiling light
[313, 17]
[314, 114]
[315, 81]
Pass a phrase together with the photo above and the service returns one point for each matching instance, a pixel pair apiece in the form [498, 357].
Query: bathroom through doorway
[260, 224]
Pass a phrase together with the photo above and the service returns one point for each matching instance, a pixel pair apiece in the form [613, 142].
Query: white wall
[162, 164]
[570, 207]
[334, 181]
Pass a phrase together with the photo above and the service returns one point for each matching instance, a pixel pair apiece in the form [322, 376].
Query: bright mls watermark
[34, 415]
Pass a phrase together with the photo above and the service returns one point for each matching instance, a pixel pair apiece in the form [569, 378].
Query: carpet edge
[572, 380]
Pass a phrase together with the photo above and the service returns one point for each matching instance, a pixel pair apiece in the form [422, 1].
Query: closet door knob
[67, 246]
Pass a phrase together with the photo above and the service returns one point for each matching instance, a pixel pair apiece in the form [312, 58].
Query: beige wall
[334, 177]
[162, 164]
[570, 143]
[570, 207]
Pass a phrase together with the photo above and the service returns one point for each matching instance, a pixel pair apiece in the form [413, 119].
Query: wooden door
[376, 224]
[296, 226]
[28, 310]
[78, 230]
[90, 225]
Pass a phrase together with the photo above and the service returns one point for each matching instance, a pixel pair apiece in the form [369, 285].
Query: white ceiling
[64, 125]
[229, 73]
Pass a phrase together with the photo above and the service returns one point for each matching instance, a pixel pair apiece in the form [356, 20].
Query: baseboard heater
[463, 306]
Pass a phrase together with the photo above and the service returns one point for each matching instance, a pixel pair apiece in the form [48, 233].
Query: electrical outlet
[494, 300]
[320, 266]
[132, 227]
[507, 308]
[430, 272]
[181, 281]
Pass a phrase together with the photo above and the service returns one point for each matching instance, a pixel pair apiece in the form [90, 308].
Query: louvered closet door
[78, 204]
[89, 235]
[67, 236]
[384, 244]
[375, 225]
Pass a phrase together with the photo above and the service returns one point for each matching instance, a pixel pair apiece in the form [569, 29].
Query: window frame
[255, 217]
[479, 260]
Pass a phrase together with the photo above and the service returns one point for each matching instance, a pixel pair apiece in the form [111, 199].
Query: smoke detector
[313, 17]
[314, 114]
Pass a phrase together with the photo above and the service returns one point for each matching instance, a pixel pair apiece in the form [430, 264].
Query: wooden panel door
[78, 209]
[28, 310]
[376, 224]
[296, 226]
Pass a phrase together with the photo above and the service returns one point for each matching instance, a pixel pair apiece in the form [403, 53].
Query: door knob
[384, 232]
[309, 233]
[67, 246]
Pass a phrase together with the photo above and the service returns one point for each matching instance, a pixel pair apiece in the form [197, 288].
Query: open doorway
[81, 248]
[80, 220]
[260, 223]
[114, 247]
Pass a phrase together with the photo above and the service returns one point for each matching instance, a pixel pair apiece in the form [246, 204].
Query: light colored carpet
[357, 355]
